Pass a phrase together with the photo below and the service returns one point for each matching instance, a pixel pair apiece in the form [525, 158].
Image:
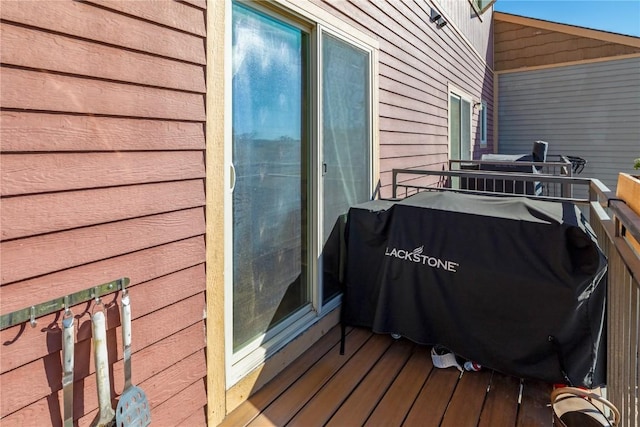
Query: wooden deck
[380, 381]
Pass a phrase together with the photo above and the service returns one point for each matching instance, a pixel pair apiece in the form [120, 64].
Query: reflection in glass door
[459, 127]
[459, 132]
[346, 138]
[269, 148]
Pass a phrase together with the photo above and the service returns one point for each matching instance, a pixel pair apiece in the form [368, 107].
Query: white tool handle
[102, 368]
[68, 345]
[126, 321]
[126, 338]
[68, 341]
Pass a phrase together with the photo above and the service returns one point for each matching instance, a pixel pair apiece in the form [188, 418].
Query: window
[459, 125]
[482, 123]
[481, 6]
[301, 155]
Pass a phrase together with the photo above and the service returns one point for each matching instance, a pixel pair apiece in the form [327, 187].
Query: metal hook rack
[30, 314]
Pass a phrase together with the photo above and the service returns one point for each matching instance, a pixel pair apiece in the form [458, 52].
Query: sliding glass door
[459, 127]
[271, 173]
[346, 135]
[300, 156]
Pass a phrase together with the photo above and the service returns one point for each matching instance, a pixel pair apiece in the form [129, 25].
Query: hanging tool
[106, 414]
[68, 344]
[133, 407]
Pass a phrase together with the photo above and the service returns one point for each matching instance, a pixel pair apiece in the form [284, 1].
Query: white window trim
[315, 20]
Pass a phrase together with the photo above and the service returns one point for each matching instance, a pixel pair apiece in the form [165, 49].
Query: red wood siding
[102, 176]
[417, 62]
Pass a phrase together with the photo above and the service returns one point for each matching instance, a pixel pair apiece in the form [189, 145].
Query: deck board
[434, 398]
[380, 381]
[398, 400]
[534, 409]
[467, 400]
[336, 391]
[501, 404]
[251, 408]
[361, 403]
[296, 396]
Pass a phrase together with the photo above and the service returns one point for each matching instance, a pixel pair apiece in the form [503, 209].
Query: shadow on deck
[385, 382]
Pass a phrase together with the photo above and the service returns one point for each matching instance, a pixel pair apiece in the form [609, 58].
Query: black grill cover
[514, 284]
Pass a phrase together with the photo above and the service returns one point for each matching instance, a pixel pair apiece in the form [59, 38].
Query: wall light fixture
[437, 19]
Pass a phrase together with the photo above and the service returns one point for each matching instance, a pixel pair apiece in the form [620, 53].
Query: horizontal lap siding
[519, 46]
[588, 110]
[102, 176]
[417, 61]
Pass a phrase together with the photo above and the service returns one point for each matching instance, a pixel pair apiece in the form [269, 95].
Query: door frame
[238, 366]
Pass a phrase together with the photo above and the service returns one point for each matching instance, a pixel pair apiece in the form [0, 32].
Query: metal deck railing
[613, 222]
[408, 181]
[553, 166]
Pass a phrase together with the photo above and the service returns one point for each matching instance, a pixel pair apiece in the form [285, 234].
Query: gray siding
[588, 110]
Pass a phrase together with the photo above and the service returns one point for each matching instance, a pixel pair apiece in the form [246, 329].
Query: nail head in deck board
[299, 393]
[534, 410]
[169, 13]
[436, 392]
[39, 173]
[87, 21]
[23, 216]
[33, 256]
[35, 90]
[30, 131]
[431, 404]
[398, 399]
[501, 404]
[467, 400]
[361, 403]
[332, 394]
[32, 48]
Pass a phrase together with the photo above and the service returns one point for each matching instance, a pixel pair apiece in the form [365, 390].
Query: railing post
[566, 190]
[394, 183]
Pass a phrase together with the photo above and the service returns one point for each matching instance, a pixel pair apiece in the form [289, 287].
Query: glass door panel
[465, 130]
[345, 135]
[454, 127]
[269, 60]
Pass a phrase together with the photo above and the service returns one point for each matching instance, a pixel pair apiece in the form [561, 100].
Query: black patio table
[515, 284]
